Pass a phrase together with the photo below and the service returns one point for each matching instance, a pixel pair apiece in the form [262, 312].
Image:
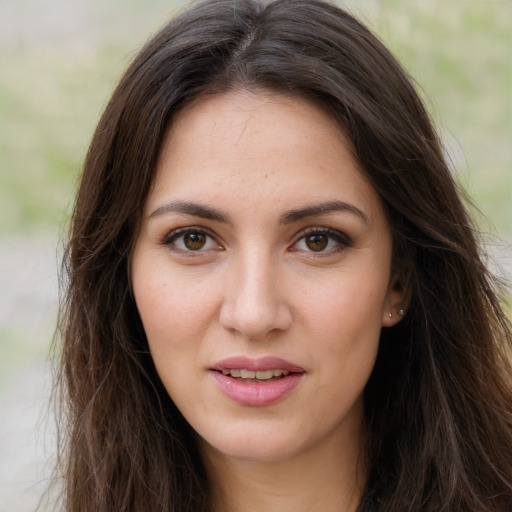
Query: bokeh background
[60, 59]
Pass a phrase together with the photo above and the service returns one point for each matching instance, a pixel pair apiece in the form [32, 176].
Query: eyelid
[174, 234]
[341, 238]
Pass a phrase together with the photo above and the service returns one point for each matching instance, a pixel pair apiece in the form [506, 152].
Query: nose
[254, 304]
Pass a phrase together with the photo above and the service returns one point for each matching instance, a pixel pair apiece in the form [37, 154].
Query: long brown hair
[439, 402]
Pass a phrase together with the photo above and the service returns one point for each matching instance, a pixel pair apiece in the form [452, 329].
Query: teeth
[264, 375]
[250, 374]
[247, 374]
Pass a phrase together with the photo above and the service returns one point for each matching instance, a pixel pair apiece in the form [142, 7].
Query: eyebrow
[190, 208]
[206, 212]
[316, 210]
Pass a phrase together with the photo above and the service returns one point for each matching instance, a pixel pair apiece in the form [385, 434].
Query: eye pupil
[194, 240]
[317, 242]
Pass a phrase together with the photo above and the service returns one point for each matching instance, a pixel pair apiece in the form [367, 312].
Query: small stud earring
[401, 312]
[390, 315]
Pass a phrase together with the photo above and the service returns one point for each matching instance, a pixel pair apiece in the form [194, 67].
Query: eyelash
[171, 238]
[341, 239]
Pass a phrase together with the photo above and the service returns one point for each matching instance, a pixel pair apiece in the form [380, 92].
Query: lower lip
[256, 393]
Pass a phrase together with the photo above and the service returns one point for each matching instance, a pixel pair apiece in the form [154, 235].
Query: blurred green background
[59, 60]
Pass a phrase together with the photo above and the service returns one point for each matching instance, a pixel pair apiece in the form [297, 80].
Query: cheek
[349, 305]
[346, 322]
[348, 341]
[169, 304]
[175, 314]
[177, 310]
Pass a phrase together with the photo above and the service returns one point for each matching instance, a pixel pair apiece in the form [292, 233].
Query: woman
[276, 298]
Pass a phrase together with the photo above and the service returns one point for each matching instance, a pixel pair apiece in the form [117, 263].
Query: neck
[328, 477]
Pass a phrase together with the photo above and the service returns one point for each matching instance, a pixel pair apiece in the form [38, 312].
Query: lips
[256, 382]
[259, 364]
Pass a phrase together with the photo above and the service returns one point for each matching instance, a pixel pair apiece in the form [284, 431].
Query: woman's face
[262, 275]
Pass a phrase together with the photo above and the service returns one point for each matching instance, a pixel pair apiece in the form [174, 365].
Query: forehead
[241, 145]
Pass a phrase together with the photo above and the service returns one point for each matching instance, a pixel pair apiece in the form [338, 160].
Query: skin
[257, 283]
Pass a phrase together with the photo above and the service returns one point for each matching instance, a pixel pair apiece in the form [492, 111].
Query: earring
[390, 314]
[401, 312]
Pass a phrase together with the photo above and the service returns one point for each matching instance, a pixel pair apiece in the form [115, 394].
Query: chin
[257, 450]
[257, 444]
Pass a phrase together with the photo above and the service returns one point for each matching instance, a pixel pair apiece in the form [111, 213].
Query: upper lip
[256, 364]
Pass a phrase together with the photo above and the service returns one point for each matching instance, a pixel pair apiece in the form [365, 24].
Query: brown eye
[195, 240]
[317, 242]
[190, 240]
[322, 241]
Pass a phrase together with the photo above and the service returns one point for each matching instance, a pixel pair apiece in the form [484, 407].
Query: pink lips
[256, 393]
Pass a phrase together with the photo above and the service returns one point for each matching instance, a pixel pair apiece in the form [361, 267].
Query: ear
[397, 301]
